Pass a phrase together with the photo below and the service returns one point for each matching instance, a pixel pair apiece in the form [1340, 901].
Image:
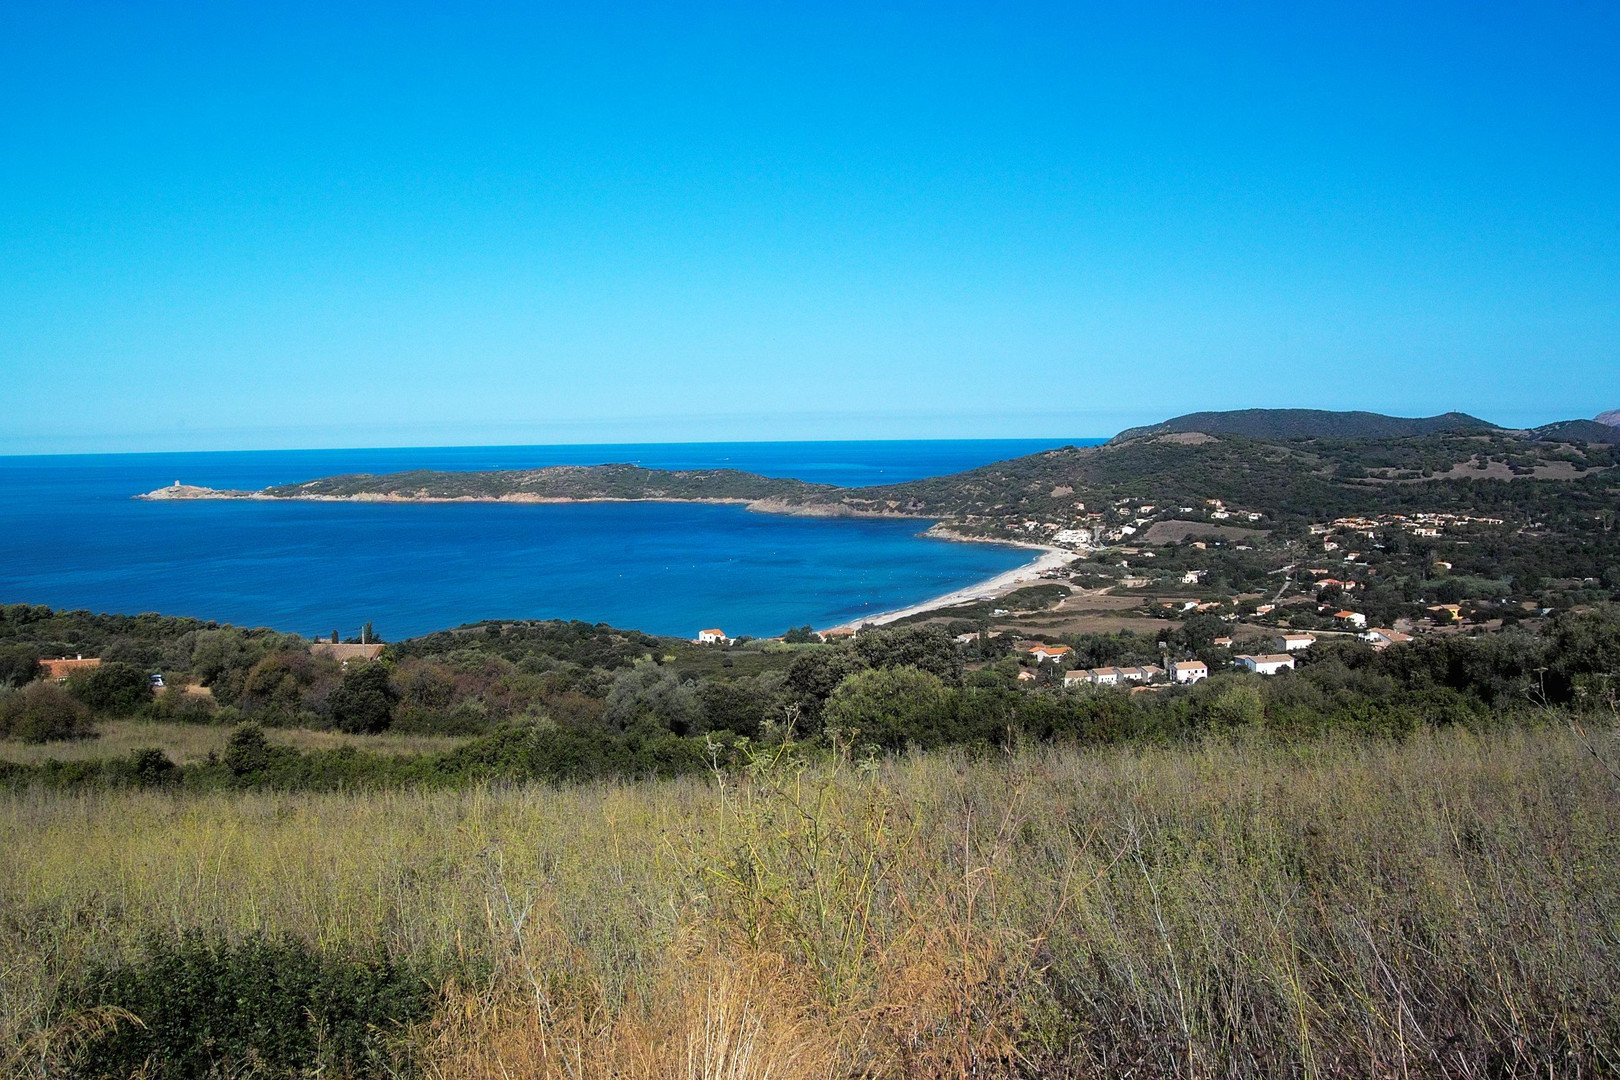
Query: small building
[837, 633]
[1351, 618]
[58, 670]
[1105, 676]
[1223, 643]
[1295, 642]
[712, 637]
[1382, 637]
[1265, 663]
[1026, 675]
[1188, 671]
[1045, 653]
[342, 653]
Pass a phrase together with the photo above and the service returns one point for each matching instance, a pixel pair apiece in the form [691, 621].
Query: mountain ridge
[1309, 423]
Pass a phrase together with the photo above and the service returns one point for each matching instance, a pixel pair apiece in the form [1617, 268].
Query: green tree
[248, 751]
[43, 712]
[19, 664]
[891, 707]
[113, 688]
[363, 703]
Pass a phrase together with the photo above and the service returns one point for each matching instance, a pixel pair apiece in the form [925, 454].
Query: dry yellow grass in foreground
[1439, 907]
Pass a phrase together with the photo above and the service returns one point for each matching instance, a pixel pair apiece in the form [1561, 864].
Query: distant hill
[1310, 423]
[1591, 431]
[1611, 418]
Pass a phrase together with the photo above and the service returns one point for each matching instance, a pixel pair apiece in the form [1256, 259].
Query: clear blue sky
[228, 225]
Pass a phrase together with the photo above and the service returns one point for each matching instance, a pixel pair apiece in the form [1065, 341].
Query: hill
[1578, 431]
[1309, 424]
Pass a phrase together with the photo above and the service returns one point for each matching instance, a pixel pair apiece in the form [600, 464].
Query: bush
[248, 751]
[259, 1007]
[19, 665]
[364, 703]
[113, 688]
[43, 712]
[891, 707]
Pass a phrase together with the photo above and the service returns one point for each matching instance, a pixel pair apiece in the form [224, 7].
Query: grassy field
[194, 742]
[1444, 906]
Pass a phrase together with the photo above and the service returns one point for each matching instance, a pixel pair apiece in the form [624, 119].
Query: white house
[712, 637]
[1352, 618]
[1044, 653]
[1188, 671]
[1295, 642]
[1075, 677]
[1104, 676]
[1266, 663]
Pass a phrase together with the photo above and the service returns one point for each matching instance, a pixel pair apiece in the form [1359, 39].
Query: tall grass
[1440, 906]
[188, 743]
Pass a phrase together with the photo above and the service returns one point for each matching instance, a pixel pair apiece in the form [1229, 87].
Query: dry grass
[194, 742]
[1439, 907]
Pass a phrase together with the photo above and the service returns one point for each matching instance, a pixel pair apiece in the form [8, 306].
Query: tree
[649, 690]
[248, 751]
[813, 676]
[19, 665]
[363, 704]
[926, 648]
[43, 712]
[891, 707]
[113, 688]
[800, 635]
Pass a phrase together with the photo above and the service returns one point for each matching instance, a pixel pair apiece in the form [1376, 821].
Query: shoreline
[989, 589]
[767, 505]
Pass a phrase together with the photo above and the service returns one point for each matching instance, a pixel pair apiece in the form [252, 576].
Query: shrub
[364, 703]
[43, 712]
[248, 751]
[114, 688]
[259, 1007]
[19, 665]
[891, 707]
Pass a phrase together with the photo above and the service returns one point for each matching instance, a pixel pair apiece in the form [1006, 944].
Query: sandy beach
[1050, 558]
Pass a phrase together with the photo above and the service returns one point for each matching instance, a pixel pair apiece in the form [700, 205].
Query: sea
[73, 536]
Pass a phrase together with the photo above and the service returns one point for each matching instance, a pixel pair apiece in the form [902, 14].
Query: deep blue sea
[72, 536]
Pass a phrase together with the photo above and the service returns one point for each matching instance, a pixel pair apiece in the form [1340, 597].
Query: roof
[1055, 650]
[1270, 658]
[722, 633]
[1299, 637]
[1188, 665]
[1345, 614]
[339, 651]
[60, 669]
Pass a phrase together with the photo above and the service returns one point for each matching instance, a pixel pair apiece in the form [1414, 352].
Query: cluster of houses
[1180, 671]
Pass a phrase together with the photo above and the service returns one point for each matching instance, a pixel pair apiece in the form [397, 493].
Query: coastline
[989, 589]
[768, 505]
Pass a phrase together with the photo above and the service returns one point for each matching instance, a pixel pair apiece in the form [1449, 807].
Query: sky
[228, 225]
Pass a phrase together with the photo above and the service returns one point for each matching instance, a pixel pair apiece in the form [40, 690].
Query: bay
[73, 536]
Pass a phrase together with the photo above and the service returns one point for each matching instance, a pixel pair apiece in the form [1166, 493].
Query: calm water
[72, 537]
